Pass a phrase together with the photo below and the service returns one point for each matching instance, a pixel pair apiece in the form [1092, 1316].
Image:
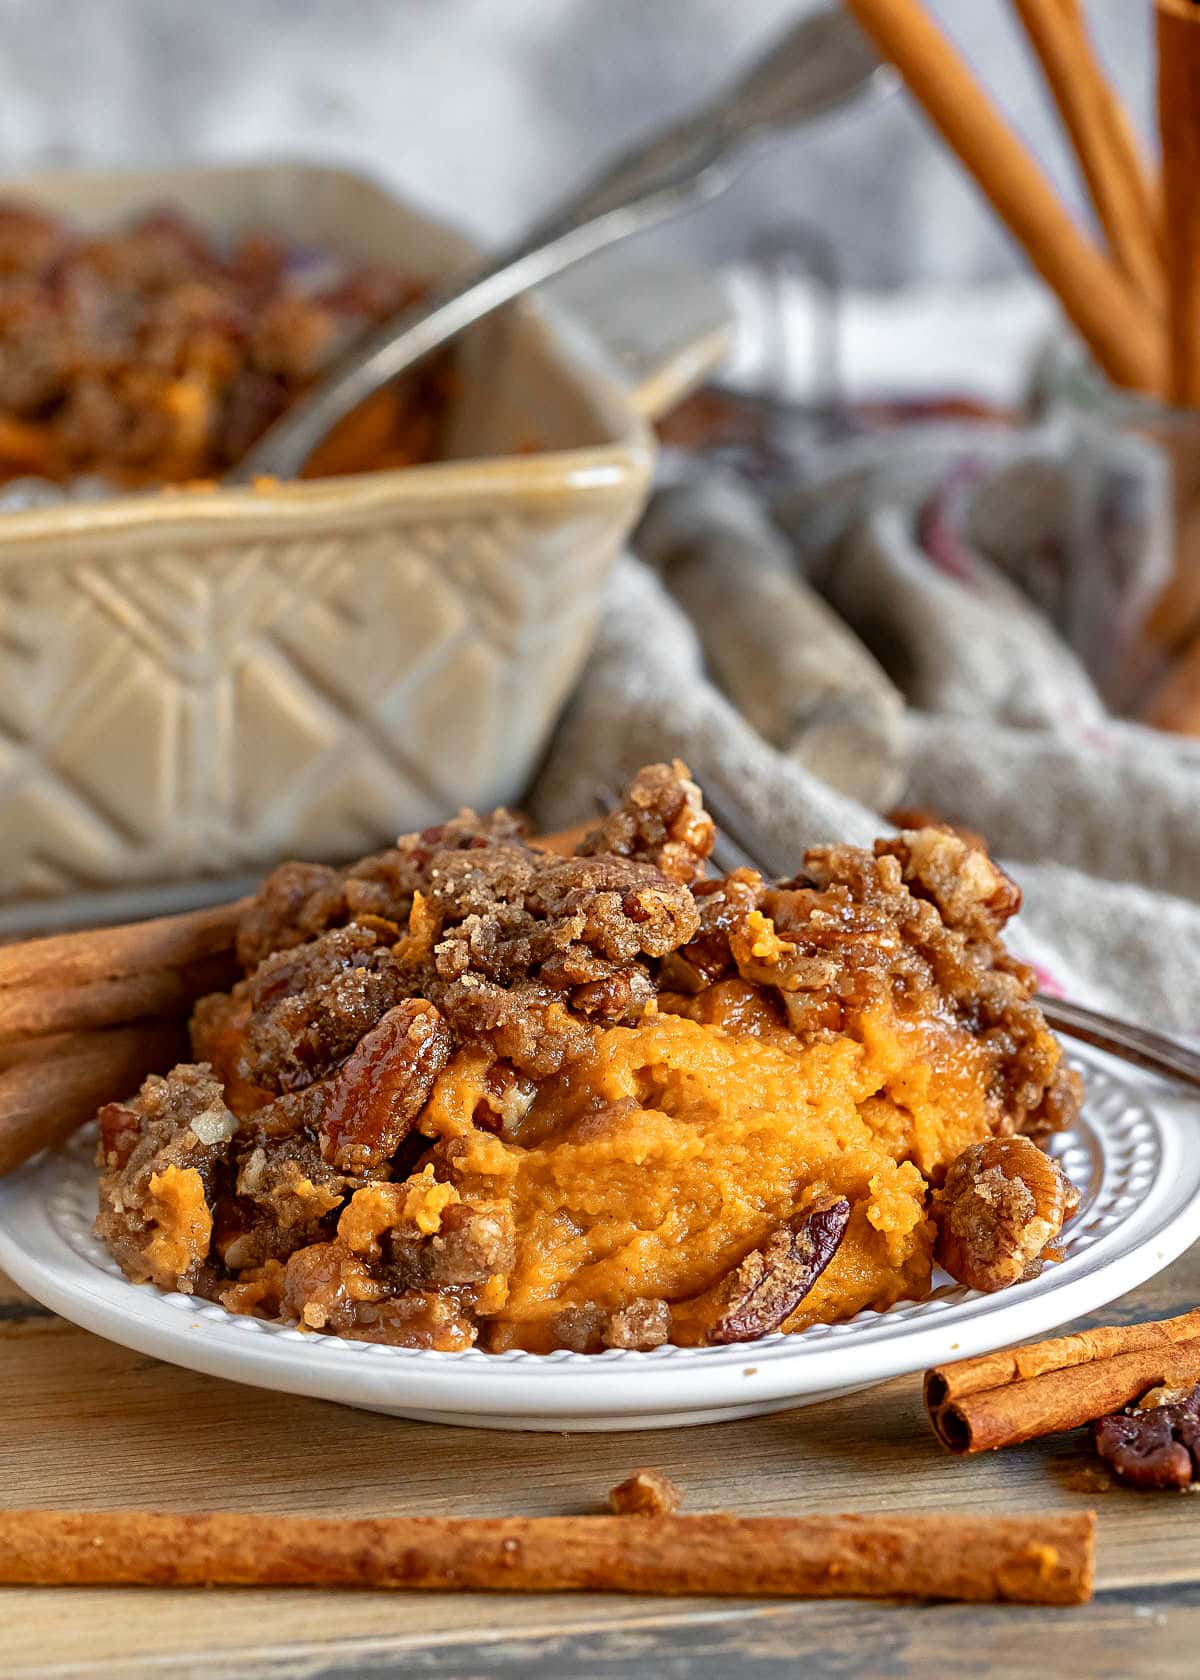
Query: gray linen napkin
[1005, 730]
[797, 674]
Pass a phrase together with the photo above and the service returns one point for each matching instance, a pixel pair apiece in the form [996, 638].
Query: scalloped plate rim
[628, 1390]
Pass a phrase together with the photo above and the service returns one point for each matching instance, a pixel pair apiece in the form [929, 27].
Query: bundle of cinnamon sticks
[1135, 298]
[1021, 1394]
[84, 1017]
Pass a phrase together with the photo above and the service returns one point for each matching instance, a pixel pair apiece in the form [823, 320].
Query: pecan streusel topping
[472, 1093]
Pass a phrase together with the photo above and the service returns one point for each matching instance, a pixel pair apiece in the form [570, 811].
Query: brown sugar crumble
[469, 1093]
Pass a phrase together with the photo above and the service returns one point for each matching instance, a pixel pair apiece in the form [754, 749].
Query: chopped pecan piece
[724, 906]
[1002, 1202]
[642, 1325]
[621, 996]
[1155, 1444]
[310, 1005]
[284, 1198]
[923, 816]
[324, 1285]
[580, 1327]
[530, 948]
[509, 913]
[951, 871]
[299, 901]
[647, 1493]
[772, 1280]
[526, 1024]
[426, 1237]
[420, 1318]
[472, 1246]
[295, 903]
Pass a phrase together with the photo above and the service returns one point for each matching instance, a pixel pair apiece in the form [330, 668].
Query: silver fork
[739, 846]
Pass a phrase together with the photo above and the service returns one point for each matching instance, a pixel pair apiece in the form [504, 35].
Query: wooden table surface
[84, 1423]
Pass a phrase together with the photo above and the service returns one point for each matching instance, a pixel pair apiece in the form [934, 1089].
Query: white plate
[1137, 1166]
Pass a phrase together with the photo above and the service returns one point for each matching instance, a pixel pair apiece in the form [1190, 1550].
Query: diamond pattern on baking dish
[168, 712]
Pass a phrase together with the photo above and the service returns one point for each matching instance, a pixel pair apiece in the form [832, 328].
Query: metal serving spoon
[818, 64]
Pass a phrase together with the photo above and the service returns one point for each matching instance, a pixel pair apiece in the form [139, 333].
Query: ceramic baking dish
[196, 683]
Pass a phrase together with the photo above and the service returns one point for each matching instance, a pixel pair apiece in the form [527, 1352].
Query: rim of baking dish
[616, 469]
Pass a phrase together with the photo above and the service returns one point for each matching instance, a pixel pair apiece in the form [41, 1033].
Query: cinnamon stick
[74, 959]
[1102, 138]
[30, 1011]
[51, 1087]
[1029, 1559]
[1105, 308]
[1001, 1399]
[1178, 24]
[1145, 184]
[1173, 703]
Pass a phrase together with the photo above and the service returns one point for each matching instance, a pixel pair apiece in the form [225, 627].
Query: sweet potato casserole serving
[473, 1093]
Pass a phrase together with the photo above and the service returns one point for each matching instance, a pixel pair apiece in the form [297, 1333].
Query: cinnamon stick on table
[1178, 23]
[1107, 310]
[1001, 1399]
[1029, 1559]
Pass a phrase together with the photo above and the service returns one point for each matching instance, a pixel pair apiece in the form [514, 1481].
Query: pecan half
[772, 1280]
[1155, 1444]
[383, 1086]
[1002, 1202]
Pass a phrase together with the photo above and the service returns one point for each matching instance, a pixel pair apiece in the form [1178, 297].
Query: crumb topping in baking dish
[471, 1092]
[147, 355]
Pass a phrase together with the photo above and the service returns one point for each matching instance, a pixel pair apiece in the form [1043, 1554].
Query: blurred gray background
[488, 110]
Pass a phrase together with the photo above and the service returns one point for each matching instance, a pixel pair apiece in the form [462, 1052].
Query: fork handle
[815, 66]
[1146, 1049]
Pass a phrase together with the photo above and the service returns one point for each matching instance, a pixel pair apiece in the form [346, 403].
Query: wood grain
[85, 1423]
